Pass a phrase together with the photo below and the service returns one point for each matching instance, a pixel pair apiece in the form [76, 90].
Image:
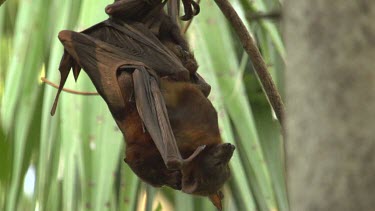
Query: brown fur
[194, 123]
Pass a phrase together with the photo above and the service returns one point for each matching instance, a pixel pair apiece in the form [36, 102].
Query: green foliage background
[77, 154]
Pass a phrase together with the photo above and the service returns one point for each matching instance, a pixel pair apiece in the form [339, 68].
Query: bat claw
[195, 154]
[176, 163]
[196, 8]
[186, 17]
[191, 9]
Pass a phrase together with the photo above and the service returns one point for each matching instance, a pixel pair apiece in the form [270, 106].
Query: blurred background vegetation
[74, 160]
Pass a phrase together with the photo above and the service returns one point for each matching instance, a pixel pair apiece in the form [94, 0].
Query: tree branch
[252, 50]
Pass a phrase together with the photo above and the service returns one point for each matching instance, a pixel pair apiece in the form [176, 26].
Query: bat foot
[191, 9]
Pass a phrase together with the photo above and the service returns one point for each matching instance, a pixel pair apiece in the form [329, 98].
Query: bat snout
[229, 146]
[223, 152]
[226, 148]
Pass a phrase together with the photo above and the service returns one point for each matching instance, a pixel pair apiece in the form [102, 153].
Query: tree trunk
[330, 101]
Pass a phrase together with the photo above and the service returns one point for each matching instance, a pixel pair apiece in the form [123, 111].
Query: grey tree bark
[330, 101]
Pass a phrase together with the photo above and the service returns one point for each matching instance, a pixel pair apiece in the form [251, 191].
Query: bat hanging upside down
[193, 121]
[157, 99]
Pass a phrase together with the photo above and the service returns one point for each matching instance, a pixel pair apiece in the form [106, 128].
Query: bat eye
[218, 163]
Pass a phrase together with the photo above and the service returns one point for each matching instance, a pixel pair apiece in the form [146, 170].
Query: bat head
[209, 171]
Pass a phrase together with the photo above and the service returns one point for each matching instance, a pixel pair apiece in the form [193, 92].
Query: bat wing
[132, 41]
[99, 60]
[102, 62]
[153, 112]
[139, 44]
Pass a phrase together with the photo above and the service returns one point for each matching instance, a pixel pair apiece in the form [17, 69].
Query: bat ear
[189, 187]
[216, 199]
[189, 184]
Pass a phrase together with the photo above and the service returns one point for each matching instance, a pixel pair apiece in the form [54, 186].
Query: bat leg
[173, 10]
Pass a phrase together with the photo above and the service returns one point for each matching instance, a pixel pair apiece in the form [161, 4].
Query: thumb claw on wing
[195, 154]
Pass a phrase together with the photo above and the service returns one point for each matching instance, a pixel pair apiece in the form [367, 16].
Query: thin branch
[252, 50]
[67, 90]
[187, 25]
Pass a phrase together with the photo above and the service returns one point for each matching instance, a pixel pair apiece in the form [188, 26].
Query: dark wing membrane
[131, 42]
[153, 112]
[139, 44]
[100, 61]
